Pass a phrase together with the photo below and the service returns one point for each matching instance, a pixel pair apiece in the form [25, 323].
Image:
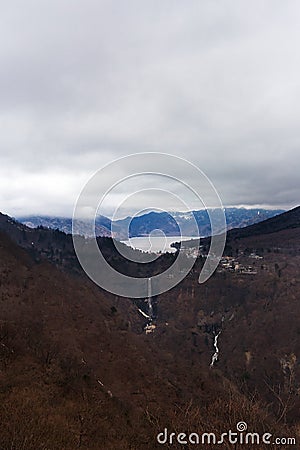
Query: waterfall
[150, 327]
[215, 356]
[149, 300]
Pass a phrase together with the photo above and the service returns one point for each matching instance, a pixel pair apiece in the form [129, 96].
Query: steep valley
[79, 371]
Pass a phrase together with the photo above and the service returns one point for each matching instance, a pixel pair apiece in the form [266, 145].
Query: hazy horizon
[263, 207]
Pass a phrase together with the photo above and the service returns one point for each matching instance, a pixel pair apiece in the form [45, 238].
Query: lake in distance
[155, 244]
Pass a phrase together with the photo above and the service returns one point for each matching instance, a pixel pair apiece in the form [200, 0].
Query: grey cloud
[81, 84]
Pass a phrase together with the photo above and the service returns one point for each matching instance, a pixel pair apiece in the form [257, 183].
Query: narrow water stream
[215, 356]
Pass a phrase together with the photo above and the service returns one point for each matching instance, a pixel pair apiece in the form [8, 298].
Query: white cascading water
[215, 356]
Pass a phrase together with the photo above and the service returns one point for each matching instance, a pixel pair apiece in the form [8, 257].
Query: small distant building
[149, 328]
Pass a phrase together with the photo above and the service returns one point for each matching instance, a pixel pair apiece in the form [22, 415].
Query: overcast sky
[83, 82]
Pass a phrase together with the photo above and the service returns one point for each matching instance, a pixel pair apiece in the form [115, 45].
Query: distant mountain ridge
[169, 223]
[64, 224]
[284, 221]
